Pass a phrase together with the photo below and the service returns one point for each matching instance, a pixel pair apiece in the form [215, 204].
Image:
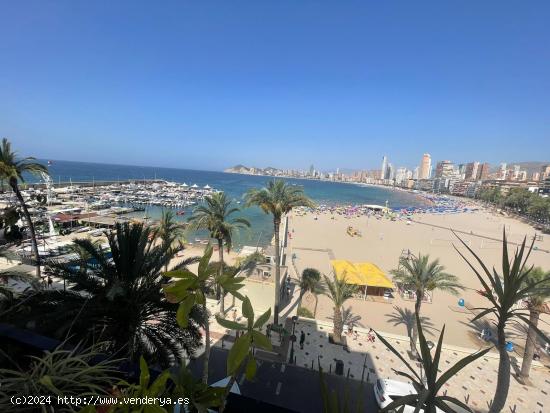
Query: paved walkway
[474, 385]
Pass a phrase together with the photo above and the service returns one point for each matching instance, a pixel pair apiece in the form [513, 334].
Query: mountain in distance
[242, 169]
[530, 166]
[238, 169]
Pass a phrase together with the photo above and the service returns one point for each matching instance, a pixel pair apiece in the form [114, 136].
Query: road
[292, 387]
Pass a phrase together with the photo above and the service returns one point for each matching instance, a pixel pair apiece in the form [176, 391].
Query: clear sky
[284, 83]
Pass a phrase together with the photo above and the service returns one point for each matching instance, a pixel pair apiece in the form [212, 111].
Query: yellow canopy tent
[361, 273]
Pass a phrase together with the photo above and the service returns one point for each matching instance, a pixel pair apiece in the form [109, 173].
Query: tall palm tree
[277, 198]
[339, 292]
[535, 304]
[421, 275]
[311, 281]
[170, 233]
[216, 217]
[12, 170]
[504, 291]
[118, 300]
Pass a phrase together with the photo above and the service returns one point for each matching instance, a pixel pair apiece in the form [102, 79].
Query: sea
[235, 186]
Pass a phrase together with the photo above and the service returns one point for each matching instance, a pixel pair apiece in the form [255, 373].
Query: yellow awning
[361, 273]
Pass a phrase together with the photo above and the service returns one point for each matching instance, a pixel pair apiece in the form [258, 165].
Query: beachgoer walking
[302, 339]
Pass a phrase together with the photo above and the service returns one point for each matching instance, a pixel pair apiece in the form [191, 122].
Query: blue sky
[282, 83]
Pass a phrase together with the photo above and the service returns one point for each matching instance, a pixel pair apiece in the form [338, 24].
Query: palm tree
[117, 300]
[535, 304]
[277, 198]
[170, 233]
[12, 170]
[215, 217]
[311, 281]
[339, 292]
[504, 291]
[420, 274]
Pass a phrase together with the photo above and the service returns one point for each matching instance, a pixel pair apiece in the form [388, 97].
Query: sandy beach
[318, 238]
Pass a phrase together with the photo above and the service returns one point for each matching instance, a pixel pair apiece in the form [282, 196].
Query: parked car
[387, 391]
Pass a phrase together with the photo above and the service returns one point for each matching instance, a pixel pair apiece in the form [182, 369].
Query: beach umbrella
[207, 186]
[195, 186]
[184, 184]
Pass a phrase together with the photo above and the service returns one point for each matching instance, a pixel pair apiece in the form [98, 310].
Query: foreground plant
[117, 300]
[189, 289]
[78, 372]
[242, 351]
[334, 402]
[427, 395]
[504, 290]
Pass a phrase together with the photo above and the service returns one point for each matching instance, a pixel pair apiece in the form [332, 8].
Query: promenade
[474, 385]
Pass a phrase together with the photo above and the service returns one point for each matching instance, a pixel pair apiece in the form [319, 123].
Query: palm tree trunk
[276, 225]
[503, 377]
[315, 308]
[419, 295]
[34, 245]
[206, 346]
[530, 344]
[337, 332]
[220, 273]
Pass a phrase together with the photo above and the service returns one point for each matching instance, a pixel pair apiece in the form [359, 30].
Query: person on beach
[302, 339]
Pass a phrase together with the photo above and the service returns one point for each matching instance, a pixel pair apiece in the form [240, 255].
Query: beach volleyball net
[446, 242]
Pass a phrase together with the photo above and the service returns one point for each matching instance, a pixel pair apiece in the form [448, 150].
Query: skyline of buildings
[463, 179]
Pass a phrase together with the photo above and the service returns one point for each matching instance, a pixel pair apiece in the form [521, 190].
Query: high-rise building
[400, 175]
[416, 173]
[391, 172]
[444, 169]
[522, 175]
[471, 171]
[535, 176]
[502, 171]
[483, 172]
[311, 170]
[544, 172]
[515, 175]
[384, 166]
[425, 166]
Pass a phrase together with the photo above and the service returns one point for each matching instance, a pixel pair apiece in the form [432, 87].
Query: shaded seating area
[368, 276]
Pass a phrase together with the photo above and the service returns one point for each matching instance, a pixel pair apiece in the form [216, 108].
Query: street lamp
[292, 339]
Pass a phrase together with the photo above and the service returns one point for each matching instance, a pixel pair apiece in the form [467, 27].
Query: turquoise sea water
[235, 186]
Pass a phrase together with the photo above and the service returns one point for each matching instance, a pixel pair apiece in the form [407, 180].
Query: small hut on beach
[364, 274]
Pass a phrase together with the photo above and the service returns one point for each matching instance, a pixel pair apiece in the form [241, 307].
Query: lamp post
[292, 339]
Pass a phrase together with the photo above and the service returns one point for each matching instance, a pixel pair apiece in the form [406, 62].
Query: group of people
[371, 336]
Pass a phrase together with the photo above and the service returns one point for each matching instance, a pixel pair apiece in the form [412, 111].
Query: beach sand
[314, 242]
